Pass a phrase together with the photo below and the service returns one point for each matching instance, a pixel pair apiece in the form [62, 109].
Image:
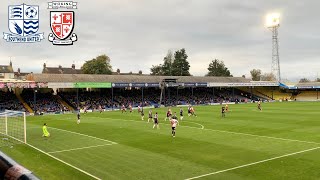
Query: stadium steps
[242, 91]
[63, 102]
[307, 96]
[265, 95]
[25, 105]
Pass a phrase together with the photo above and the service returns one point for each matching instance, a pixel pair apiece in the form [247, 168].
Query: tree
[268, 77]
[180, 65]
[167, 64]
[318, 80]
[255, 74]
[156, 70]
[98, 65]
[217, 68]
[304, 80]
[244, 76]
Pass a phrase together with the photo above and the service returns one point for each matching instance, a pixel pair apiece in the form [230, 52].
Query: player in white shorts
[174, 122]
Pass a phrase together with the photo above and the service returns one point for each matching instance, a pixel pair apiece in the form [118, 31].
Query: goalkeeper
[45, 131]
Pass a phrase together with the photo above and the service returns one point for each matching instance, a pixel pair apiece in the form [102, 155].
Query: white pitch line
[254, 163]
[202, 127]
[231, 132]
[269, 137]
[79, 148]
[83, 135]
[83, 171]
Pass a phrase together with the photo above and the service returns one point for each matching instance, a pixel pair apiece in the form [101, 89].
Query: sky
[137, 34]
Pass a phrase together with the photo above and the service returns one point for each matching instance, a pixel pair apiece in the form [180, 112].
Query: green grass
[145, 153]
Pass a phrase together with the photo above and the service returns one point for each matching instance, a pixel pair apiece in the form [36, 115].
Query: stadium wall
[9, 169]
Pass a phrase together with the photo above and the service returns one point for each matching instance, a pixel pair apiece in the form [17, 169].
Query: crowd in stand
[46, 102]
[9, 101]
[88, 100]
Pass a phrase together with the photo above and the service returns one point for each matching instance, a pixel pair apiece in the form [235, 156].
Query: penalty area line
[230, 132]
[254, 163]
[68, 164]
[83, 135]
[87, 147]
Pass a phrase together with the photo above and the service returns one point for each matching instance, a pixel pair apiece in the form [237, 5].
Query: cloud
[137, 34]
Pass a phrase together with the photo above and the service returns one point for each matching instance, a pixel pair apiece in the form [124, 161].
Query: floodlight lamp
[273, 20]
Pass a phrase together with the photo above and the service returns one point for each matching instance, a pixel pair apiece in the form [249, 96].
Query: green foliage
[156, 70]
[304, 80]
[268, 77]
[173, 65]
[98, 65]
[318, 80]
[217, 68]
[167, 64]
[255, 74]
[180, 65]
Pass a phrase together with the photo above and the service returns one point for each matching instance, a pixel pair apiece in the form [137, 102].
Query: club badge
[23, 23]
[62, 23]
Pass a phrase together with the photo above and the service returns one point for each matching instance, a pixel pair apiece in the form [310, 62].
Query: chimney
[73, 66]
[60, 69]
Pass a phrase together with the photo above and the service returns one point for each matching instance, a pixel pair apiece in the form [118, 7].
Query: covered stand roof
[128, 78]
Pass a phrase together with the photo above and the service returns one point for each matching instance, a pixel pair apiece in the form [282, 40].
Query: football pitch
[280, 142]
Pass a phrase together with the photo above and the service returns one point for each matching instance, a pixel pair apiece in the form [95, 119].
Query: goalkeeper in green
[45, 131]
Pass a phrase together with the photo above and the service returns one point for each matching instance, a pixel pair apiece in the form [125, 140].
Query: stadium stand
[45, 102]
[307, 96]
[268, 93]
[8, 100]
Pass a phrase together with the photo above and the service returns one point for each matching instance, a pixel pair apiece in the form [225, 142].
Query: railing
[10, 170]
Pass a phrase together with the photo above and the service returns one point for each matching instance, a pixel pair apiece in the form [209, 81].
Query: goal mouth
[12, 128]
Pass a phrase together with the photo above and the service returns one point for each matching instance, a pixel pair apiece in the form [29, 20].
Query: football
[31, 12]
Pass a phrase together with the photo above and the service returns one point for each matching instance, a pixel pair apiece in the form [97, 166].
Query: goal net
[12, 128]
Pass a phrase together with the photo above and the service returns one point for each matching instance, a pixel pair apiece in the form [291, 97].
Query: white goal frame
[6, 129]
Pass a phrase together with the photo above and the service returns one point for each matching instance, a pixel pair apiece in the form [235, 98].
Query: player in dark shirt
[156, 121]
[181, 114]
[78, 117]
[175, 116]
[223, 112]
[169, 113]
[142, 115]
[189, 110]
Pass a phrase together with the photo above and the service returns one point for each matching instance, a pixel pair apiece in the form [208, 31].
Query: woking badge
[62, 24]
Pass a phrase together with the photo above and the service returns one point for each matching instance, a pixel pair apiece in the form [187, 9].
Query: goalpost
[12, 128]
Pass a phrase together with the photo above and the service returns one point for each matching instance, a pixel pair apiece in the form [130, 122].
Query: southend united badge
[23, 23]
[62, 23]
